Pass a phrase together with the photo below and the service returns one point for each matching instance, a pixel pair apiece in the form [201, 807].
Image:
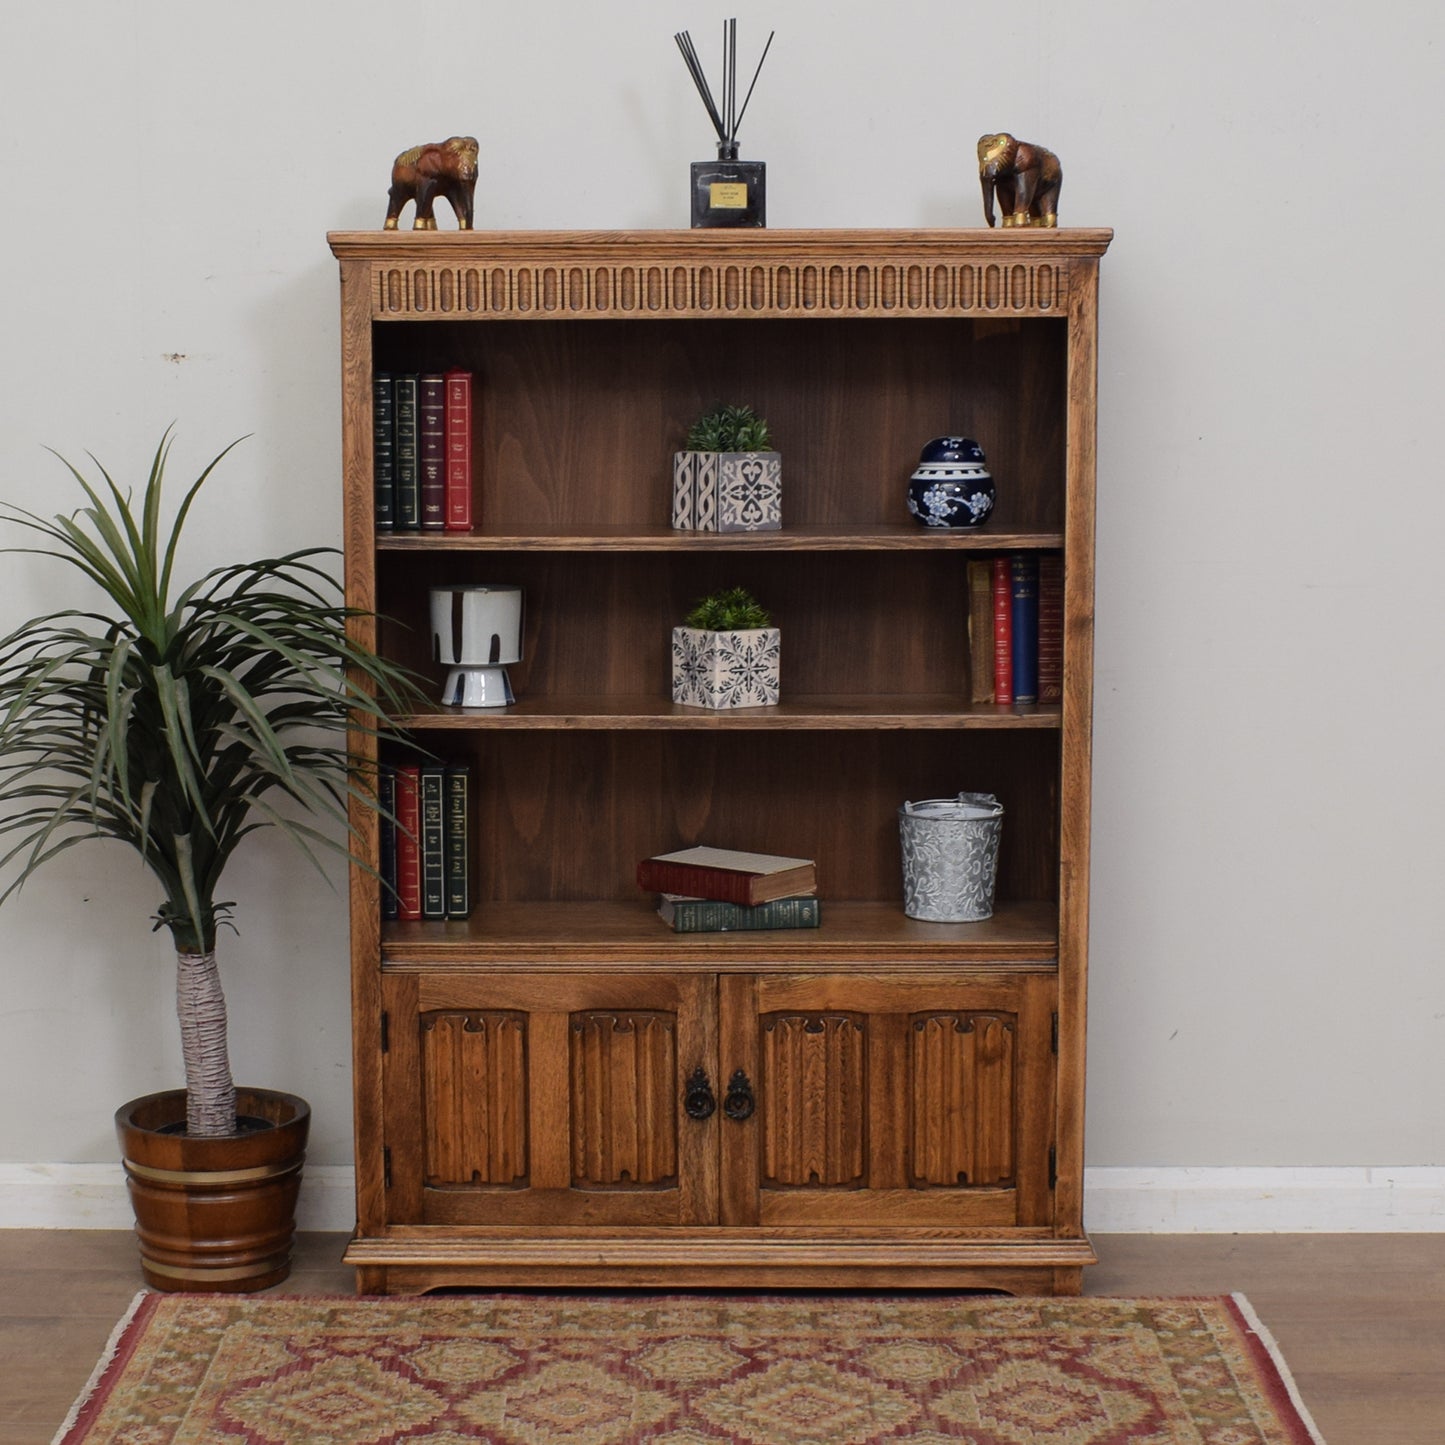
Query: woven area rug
[688, 1370]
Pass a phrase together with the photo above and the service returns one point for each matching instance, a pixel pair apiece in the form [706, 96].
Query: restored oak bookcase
[897, 1103]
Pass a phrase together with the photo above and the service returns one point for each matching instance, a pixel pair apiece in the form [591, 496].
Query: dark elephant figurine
[425, 172]
[1027, 178]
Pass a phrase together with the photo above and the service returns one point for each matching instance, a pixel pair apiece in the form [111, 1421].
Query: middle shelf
[821, 712]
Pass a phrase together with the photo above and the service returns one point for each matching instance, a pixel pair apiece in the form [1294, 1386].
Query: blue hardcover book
[1024, 573]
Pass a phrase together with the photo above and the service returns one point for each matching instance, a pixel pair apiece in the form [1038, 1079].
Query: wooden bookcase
[918, 1088]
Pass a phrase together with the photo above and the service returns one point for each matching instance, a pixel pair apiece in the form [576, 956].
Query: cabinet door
[548, 1098]
[913, 1099]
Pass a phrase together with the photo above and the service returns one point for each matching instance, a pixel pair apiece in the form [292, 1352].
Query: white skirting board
[1376, 1200]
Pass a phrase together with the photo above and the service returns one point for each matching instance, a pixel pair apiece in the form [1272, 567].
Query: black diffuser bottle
[727, 191]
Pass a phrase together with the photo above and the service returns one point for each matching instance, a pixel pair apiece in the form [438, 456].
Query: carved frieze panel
[851, 287]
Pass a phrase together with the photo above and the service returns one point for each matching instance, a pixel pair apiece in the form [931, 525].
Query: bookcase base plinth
[413, 1263]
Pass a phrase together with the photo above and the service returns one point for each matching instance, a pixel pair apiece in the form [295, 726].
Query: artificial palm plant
[180, 720]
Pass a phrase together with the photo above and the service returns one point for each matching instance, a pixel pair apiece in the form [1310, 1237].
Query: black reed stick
[756, 73]
[694, 68]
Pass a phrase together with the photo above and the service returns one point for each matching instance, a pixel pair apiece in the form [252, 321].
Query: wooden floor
[1360, 1318]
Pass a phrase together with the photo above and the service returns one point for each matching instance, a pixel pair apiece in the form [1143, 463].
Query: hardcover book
[433, 866]
[432, 438]
[1003, 662]
[980, 630]
[1051, 627]
[408, 843]
[710, 915]
[383, 449]
[727, 874]
[386, 819]
[459, 451]
[454, 853]
[408, 455]
[1024, 629]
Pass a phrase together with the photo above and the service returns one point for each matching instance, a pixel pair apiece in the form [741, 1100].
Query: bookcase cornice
[544, 275]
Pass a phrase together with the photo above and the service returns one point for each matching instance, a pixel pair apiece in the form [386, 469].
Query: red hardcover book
[1003, 631]
[432, 442]
[727, 875]
[459, 451]
[1051, 627]
[408, 842]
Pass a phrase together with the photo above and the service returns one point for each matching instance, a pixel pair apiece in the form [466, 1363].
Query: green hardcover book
[407, 453]
[454, 845]
[433, 830]
[709, 915]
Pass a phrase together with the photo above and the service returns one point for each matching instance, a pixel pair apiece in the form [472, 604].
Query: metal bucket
[950, 857]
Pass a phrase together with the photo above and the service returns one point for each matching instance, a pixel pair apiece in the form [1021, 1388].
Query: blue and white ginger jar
[951, 486]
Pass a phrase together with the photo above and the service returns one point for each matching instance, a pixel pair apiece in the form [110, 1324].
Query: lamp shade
[476, 625]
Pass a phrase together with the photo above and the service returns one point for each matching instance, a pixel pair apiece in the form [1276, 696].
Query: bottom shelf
[622, 933]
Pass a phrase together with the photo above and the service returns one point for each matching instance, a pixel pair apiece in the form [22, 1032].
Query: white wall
[1267, 957]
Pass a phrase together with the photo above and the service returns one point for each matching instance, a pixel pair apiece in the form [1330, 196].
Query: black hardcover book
[386, 796]
[455, 851]
[408, 454]
[433, 867]
[432, 438]
[383, 450]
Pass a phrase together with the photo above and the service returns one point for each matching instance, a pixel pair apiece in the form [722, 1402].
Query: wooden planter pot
[220, 1213]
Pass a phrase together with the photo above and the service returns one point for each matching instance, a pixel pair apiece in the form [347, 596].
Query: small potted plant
[727, 478]
[726, 653]
[181, 719]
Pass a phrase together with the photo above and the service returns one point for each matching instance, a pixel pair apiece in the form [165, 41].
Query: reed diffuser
[727, 191]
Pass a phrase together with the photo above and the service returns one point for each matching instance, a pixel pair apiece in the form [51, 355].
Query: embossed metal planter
[950, 857]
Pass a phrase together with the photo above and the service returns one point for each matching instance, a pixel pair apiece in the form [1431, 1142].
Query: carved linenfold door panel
[905, 1099]
[552, 1098]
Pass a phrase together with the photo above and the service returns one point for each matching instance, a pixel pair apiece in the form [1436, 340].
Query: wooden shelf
[823, 713]
[584, 537]
[631, 935]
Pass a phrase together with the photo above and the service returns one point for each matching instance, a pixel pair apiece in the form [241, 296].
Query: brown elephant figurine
[1026, 177]
[448, 168]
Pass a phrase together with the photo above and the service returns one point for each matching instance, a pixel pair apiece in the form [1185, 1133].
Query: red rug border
[1274, 1372]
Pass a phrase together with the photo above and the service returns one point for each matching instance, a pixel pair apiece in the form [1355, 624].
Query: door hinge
[386, 1033]
[1053, 1166]
[386, 1166]
[1055, 1034]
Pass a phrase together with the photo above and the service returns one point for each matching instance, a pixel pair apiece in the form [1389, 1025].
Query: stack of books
[422, 450]
[425, 841]
[721, 890]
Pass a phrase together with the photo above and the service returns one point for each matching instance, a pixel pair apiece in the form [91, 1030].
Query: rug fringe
[1257, 1328]
[97, 1375]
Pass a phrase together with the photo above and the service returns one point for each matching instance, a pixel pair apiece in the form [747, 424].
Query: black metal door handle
[738, 1102]
[698, 1101]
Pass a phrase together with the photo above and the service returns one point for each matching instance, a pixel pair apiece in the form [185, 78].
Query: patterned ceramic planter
[725, 669]
[727, 491]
